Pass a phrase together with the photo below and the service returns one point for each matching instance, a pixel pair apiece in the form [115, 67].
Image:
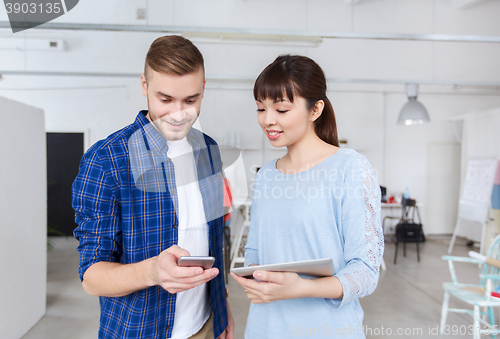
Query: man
[147, 195]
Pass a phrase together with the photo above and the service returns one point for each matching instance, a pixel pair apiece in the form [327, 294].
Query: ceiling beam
[249, 79]
[264, 34]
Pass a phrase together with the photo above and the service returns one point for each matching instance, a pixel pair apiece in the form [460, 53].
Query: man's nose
[179, 114]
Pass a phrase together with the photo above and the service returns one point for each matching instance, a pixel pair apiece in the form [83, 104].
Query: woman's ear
[317, 110]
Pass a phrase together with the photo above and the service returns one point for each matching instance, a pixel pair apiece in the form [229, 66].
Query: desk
[394, 204]
[388, 210]
[390, 207]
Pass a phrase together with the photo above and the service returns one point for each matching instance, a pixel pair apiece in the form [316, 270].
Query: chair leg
[444, 312]
[382, 264]
[491, 316]
[418, 253]
[404, 248]
[396, 254]
[477, 327]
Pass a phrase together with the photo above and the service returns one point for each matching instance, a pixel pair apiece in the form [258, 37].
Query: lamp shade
[413, 112]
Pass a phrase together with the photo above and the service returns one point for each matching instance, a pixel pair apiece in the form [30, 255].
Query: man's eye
[191, 101]
[280, 111]
[165, 100]
[260, 110]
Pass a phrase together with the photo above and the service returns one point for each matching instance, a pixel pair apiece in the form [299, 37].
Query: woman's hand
[273, 286]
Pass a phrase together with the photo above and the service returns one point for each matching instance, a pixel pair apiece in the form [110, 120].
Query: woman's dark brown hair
[295, 75]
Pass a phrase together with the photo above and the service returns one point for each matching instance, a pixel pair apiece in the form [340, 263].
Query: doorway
[443, 185]
[64, 151]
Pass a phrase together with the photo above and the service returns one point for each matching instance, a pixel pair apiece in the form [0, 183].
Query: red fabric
[228, 197]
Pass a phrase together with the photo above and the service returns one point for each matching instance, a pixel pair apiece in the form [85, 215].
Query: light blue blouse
[331, 210]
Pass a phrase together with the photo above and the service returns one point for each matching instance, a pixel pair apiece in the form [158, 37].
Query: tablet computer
[314, 268]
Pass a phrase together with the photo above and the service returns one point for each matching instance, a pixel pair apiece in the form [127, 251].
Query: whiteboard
[477, 189]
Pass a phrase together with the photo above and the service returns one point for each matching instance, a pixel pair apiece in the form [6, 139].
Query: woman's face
[285, 122]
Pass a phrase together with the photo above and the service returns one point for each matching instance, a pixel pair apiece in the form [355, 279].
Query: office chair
[407, 206]
[407, 230]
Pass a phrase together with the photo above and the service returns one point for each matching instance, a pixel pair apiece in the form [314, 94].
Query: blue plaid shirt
[125, 206]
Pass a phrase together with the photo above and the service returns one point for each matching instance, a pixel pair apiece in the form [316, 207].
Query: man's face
[174, 101]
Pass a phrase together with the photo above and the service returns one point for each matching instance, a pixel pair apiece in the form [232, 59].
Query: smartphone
[203, 262]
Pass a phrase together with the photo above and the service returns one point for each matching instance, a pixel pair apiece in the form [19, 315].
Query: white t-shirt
[192, 307]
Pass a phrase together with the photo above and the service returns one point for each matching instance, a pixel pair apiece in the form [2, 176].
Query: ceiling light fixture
[413, 112]
[262, 39]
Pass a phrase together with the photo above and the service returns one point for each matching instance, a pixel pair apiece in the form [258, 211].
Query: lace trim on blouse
[363, 280]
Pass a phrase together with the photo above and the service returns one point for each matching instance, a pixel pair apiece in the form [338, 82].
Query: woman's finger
[244, 282]
[254, 298]
[275, 277]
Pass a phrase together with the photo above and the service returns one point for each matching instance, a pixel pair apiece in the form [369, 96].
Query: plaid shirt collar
[157, 142]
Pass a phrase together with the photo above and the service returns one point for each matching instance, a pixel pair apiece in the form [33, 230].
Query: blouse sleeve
[361, 232]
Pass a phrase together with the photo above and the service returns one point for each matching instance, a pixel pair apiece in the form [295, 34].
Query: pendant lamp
[413, 112]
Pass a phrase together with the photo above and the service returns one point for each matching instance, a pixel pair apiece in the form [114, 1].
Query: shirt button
[174, 225]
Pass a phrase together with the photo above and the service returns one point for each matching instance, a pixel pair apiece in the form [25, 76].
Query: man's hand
[229, 331]
[176, 279]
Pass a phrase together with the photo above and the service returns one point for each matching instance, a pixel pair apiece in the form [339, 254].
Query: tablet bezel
[315, 268]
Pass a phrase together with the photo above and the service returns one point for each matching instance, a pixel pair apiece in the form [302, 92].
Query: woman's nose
[269, 119]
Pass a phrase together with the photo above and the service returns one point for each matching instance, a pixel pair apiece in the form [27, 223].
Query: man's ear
[204, 83]
[144, 85]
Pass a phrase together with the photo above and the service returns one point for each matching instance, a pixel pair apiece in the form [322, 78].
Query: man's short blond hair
[173, 54]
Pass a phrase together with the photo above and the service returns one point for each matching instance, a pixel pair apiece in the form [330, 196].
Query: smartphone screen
[203, 262]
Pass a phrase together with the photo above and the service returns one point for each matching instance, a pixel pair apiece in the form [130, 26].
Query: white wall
[23, 218]
[366, 112]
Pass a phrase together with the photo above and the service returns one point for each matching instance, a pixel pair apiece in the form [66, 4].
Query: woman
[317, 201]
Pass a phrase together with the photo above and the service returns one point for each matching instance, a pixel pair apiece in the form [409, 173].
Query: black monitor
[383, 193]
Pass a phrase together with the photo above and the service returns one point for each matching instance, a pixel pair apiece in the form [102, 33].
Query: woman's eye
[281, 111]
[260, 110]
